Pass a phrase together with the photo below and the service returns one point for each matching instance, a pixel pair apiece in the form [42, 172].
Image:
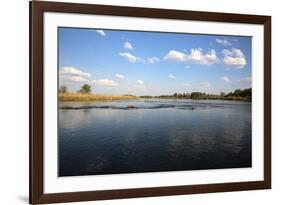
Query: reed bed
[92, 97]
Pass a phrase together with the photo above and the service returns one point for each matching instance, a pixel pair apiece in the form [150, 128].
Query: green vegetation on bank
[85, 94]
[245, 95]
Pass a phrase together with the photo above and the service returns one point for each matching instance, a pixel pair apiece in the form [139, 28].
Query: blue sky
[153, 63]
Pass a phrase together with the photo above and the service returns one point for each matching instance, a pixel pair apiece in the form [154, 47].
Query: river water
[152, 135]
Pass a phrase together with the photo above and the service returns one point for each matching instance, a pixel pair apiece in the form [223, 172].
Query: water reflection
[105, 138]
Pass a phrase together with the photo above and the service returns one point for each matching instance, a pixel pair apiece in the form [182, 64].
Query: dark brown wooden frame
[37, 8]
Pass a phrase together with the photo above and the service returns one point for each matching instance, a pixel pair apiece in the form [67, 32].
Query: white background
[14, 101]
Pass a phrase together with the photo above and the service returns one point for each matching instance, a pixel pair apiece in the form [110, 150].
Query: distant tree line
[241, 93]
[237, 94]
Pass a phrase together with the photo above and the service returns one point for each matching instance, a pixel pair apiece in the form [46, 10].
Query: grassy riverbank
[241, 95]
[92, 97]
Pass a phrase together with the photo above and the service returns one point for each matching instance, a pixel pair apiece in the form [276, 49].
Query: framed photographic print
[138, 102]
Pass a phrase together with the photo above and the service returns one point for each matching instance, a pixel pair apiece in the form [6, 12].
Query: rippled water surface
[153, 135]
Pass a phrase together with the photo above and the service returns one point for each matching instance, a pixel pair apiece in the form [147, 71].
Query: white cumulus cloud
[226, 79]
[74, 78]
[172, 76]
[105, 82]
[131, 58]
[195, 55]
[153, 60]
[67, 70]
[72, 74]
[101, 32]
[223, 42]
[234, 58]
[119, 76]
[140, 82]
[128, 46]
[176, 56]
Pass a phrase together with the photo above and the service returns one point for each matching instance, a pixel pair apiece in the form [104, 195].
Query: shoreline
[222, 98]
[78, 97]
